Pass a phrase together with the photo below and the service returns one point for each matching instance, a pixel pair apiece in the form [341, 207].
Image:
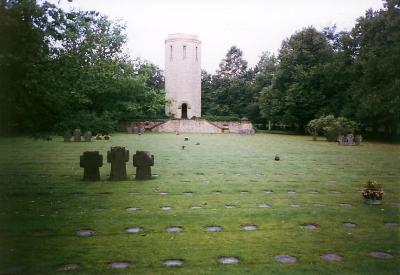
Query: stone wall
[191, 126]
[187, 126]
[239, 127]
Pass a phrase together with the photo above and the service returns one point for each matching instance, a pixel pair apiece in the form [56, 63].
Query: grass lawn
[44, 203]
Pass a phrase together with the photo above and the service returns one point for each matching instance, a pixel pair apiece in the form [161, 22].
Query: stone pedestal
[118, 156]
[91, 161]
[143, 161]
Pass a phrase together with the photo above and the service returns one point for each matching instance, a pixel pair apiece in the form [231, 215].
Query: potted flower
[373, 192]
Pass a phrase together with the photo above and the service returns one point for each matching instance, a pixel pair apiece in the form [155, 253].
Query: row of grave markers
[117, 156]
[234, 260]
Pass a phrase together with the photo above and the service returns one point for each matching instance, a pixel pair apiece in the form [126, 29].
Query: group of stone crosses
[87, 136]
[91, 161]
[349, 139]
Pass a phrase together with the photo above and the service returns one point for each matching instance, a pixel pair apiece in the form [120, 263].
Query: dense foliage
[331, 127]
[64, 70]
[352, 74]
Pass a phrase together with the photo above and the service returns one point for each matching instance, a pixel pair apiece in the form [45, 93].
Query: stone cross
[91, 161]
[358, 139]
[350, 139]
[143, 161]
[118, 156]
[88, 136]
[67, 136]
[77, 135]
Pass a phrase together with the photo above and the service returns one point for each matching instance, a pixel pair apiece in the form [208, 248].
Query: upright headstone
[67, 136]
[143, 161]
[77, 135]
[87, 136]
[350, 139]
[129, 130]
[341, 139]
[358, 139]
[91, 161]
[118, 156]
[135, 130]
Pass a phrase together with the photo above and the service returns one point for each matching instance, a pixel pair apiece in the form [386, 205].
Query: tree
[376, 82]
[233, 65]
[69, 69]
[152, 73]
[25, 29]
[298, 91]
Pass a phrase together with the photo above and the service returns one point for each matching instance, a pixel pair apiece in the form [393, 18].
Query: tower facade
[183, 75]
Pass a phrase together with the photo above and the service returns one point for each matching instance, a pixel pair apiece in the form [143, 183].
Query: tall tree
[233, 65]
[298, 89]
[376, 71]
[25, 30]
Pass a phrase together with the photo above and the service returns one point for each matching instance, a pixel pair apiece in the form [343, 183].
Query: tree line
[61, 70]
[354, 74]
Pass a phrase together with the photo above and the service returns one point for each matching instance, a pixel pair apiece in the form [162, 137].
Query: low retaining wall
[191, 126]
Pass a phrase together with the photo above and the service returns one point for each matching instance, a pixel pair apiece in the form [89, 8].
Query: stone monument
[87, 136]
[77, 135]
[358, 139]
[118, 156]
[67, 136]
[143, 161]
[349, 139]
[91, 161]
[183, 75]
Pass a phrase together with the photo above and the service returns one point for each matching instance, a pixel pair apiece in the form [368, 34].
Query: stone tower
[183, 75]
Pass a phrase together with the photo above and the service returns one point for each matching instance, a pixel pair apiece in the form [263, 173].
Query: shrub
[103, 123]
[331, 127]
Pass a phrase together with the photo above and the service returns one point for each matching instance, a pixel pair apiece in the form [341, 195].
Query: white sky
[252, 25]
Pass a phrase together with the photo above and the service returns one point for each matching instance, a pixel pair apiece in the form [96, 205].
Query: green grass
[41, 188]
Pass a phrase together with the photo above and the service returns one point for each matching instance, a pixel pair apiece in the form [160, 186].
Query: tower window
[196, 54]
[184, 52]
[170, 52]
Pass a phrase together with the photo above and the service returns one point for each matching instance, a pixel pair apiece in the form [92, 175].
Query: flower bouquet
[373, 192]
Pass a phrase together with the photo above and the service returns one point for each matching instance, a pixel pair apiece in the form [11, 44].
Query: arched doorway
[184, 111]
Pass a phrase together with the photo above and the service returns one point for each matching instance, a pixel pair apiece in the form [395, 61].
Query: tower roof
[182, 36]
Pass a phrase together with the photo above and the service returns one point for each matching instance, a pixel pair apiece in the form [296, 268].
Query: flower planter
[373, 201]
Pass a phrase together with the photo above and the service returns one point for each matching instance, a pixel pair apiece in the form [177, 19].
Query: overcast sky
[252, 25]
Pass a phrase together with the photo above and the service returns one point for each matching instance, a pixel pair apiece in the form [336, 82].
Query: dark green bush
[331, 127]
[103, 123]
